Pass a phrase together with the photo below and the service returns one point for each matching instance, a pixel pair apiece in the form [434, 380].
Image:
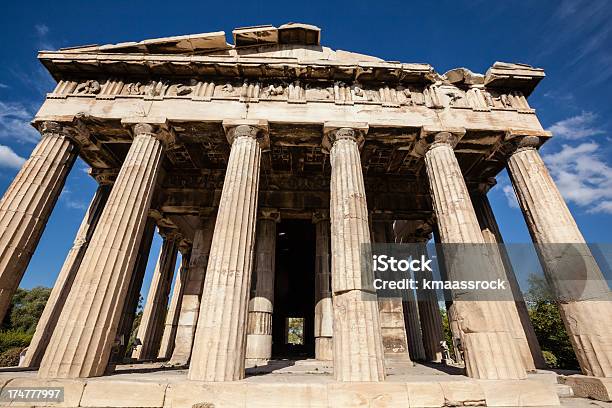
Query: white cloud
[41, 29]
[510, 196]
[3, 86]
[67, 199]
[576, 127]
[582, 176]
[15, 123]
[8, 158]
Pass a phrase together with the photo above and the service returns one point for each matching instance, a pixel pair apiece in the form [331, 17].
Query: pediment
[292, 40]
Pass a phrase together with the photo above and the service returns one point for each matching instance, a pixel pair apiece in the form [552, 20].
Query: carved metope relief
[438, 95]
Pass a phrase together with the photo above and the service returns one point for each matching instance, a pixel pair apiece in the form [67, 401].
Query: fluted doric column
[27, 204]
[324, 314]
[167, 342]
[582, 291]
[86, 330]
[61, 288]
[358, 349]
[220, 342]
[151, 325]
[132, 296]
[261, 305]
[490, 351]
[418, 233]
[192, 294]
[397, 336]
[522, 328]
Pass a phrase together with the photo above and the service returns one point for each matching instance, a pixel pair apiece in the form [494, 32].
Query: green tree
[26, 308]
[548, 325]
[295, 331]
[448, 334]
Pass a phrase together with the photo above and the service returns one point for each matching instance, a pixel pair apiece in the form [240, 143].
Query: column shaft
[27, 204]
[220, 343]
[192, 295]
[551, 224]
[86, 330]
[61, 288]
[489, 349]
[418, 233]
[132, 297]
[324, 317]
[172, 318]
[431, 321]
[154, 313]
[358, 350]
[522, 328]
[261, 305]
[396, 336]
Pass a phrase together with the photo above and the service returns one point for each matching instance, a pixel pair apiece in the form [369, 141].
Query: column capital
[269, 214]
[320, 215]
[170, 233]
[185, 246]
[520, 143]
[54, 128]
[156, 127]
[481, 186]
[430, 137]
[517, 140]
[413, 231]
[255, 129]
[104, 177]
[333, 131]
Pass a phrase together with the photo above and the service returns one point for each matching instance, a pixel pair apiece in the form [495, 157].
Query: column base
[598, 388]
[259, 347]
[255, 362]
[324, 348]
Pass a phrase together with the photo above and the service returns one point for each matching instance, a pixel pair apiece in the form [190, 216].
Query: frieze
[440, 95]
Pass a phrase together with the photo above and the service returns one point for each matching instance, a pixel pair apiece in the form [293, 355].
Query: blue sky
[571, 40]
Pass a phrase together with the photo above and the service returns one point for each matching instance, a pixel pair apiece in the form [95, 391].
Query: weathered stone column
[154, 313]
[86, 330]
[358, 349]
[219, 347]
[324, 314]
[419, 232]
[61, 288]
[172, 318]
[192, 295]
[132, 296]
[27, 204]
[489, 349]
[522, 328]
[261, 305]
[398, 339]
[571, 269]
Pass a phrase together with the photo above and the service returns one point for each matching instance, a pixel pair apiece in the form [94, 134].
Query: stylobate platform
[288, 383]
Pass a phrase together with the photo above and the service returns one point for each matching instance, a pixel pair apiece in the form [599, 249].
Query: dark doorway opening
[293, 316]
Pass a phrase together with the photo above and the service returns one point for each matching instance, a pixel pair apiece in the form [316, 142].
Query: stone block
[220, 394]
[460, 393]
[388, 320]
[425, 395]
[390, 305]
[279, 395]
[590, 387]
[367, 394]
[519, 393]
[117, 394]
[73, 390]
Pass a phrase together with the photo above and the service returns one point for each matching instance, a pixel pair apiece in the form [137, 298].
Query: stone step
[564, 391]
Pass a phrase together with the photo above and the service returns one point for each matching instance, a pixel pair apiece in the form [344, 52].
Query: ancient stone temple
[266, 164]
